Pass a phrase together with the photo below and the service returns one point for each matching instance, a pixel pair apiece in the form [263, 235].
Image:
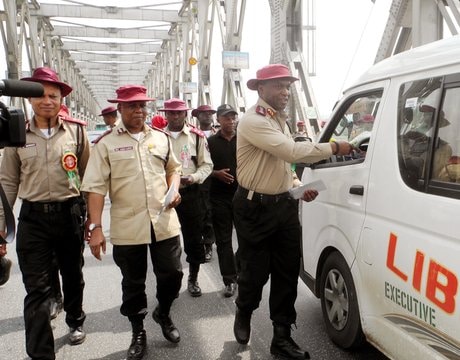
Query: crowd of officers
[200, 182]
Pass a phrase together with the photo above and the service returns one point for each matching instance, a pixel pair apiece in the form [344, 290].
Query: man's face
[133, 115]
[205, 119]
[227, 123]
[275, 93]
[176, 119]
[110, 119]
[48, 105]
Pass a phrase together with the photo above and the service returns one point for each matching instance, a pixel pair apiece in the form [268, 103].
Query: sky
[347, 37]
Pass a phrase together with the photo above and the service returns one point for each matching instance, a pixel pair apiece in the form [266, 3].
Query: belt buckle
[50, 208]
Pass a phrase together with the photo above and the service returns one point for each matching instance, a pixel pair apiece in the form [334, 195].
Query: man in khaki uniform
[205, 116]
[136, 166]
[191, 148]
[45, 174]
[301, 132]
[109, 114]
[266, 217]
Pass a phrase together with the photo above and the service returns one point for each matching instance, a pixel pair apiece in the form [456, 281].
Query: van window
[429, 135]
[448, 166]
[356, 121]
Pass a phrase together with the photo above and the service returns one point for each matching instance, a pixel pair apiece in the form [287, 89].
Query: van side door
[335, 219]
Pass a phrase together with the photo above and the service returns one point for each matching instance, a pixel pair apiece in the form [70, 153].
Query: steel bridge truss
[169, 50]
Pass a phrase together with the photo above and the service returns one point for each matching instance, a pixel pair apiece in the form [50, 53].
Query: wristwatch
[92, 227]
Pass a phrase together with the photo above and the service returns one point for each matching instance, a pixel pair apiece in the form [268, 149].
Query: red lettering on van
[441, 283]
[448, 287]
[418, 267]
[391, 257]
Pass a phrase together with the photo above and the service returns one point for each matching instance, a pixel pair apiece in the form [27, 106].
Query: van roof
[436, 54]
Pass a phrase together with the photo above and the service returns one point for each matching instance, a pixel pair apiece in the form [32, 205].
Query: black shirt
[223, 155]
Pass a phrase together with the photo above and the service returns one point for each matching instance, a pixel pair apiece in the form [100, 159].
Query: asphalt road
[205, 323]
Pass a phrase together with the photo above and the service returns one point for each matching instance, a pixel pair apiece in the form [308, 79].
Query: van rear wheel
[339, 303]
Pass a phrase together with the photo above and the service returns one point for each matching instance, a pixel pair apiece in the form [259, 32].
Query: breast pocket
[29, 159]
[123, 163]
[157, 157]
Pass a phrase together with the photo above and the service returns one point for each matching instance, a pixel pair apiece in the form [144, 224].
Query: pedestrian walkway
[205, 323]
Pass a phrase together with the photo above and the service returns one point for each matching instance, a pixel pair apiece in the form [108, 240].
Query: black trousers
[190, 213]
[132, 261]
[208, 230]
[41, 237]
[222, 217]
[268, 245]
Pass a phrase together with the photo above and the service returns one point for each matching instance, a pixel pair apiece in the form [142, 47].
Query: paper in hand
[297, 192]
[168, 198]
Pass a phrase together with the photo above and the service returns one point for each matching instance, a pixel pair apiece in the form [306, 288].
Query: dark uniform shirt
[223, 155]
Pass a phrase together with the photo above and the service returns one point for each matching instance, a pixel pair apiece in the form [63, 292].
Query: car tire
[339, 303]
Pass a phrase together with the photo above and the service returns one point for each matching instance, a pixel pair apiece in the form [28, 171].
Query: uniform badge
[185, 156]
[261, 110]
[271, 112]
[69, 163]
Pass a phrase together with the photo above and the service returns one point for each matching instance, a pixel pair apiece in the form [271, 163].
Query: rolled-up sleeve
[263, 135]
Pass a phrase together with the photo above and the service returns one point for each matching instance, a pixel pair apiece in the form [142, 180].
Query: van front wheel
[339, 303]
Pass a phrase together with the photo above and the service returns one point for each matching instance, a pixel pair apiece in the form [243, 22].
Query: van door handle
[357, 190]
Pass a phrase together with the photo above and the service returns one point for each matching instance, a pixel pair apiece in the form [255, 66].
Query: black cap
[225, 109]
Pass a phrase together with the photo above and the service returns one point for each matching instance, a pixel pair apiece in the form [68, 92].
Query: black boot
[283, 345]
[193, 287]
[138, 346]
[170, 332]
[5, 268]
[242, 326]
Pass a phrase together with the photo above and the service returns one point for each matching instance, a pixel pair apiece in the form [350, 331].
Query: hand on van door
[341, 148]
[309, 195]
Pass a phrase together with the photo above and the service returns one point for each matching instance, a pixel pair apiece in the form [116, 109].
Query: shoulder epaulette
[160, 130]
[95, 141]
[264, 112]
[197, 131]
[72, 120]
[261, 110]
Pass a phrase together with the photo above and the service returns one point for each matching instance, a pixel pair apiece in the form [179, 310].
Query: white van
[381, 245]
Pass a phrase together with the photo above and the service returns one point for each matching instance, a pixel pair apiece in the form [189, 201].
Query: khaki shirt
[35, 172]
[266, 150]
[134, 173]
[185, 149]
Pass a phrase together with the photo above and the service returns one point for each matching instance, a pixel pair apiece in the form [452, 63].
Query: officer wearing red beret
[191, 148]
[46, 175]
[109, 114]
[205, 117]
[266, 217]
[135, 164]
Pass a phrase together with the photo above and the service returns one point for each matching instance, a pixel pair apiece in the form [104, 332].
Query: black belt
[262, 198]
[49, 207]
